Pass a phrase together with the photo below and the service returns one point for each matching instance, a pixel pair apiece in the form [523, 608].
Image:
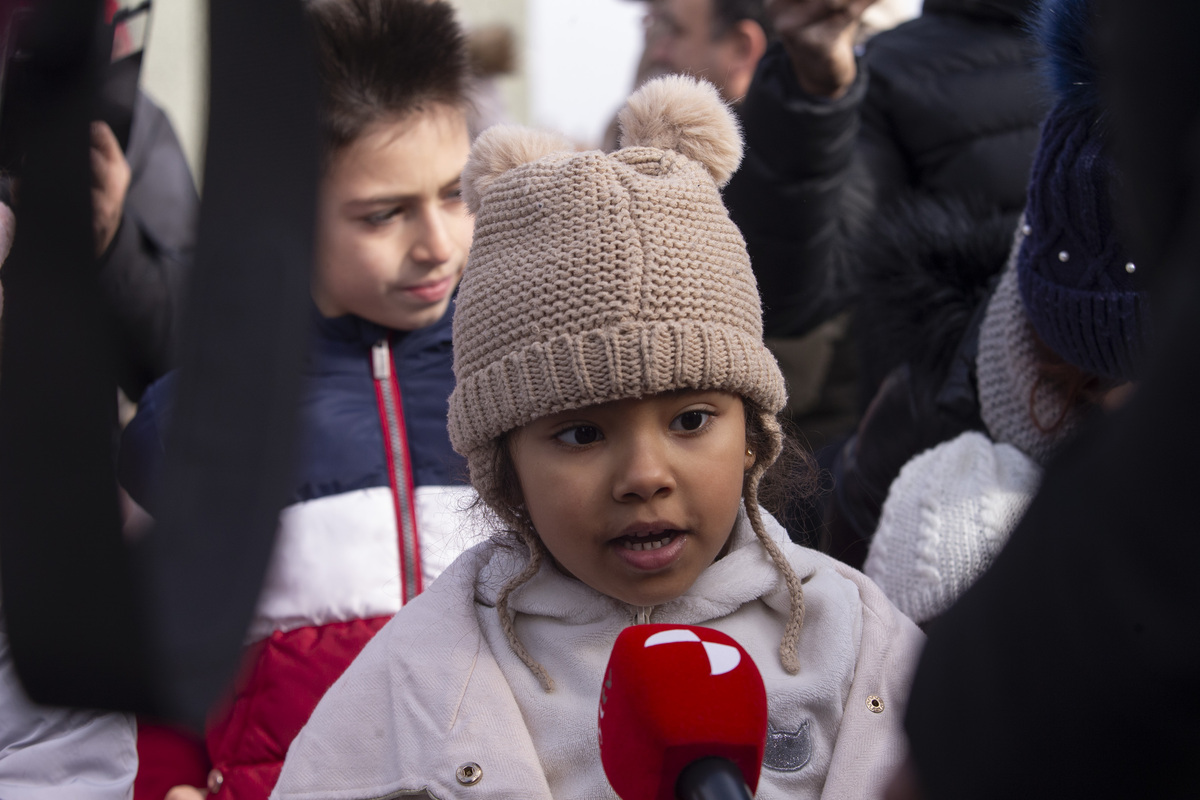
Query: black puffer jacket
[948, 104]
[954, 103]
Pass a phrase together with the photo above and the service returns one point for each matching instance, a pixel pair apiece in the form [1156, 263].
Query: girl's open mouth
[651, 542]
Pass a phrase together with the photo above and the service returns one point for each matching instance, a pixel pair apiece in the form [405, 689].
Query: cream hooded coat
[439, 687]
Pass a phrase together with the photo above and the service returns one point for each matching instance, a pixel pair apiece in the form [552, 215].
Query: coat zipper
[642, 617]
[391, 415]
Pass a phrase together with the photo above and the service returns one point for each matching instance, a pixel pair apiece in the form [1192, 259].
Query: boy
[372, 516]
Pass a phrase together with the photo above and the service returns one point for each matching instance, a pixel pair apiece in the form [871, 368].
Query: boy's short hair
[385, 59]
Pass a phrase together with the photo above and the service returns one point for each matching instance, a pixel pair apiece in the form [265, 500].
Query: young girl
[617, 409]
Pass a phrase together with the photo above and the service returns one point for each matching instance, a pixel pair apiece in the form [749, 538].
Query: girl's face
[636, 497]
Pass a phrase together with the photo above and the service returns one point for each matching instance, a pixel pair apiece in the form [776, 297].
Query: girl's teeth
[657, 543]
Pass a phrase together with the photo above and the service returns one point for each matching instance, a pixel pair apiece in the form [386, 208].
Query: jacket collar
[347, 328]
[352, 329]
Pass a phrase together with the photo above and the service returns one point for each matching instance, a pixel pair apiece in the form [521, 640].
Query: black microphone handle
[712, 778]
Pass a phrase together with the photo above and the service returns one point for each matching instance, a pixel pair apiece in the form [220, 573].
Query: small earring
[749, 452]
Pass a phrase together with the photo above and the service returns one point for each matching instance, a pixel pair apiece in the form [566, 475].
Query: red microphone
[683, 714]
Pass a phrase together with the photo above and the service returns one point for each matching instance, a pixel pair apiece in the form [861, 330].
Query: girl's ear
[749, 460]
[501, 148]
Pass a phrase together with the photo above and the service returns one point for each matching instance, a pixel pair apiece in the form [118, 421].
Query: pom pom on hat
[1064, 29]
[679, 113]
[501, 148]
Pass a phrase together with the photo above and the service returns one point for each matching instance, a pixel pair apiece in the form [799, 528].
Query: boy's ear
[501, 148]
[747, 42]
[751, 41]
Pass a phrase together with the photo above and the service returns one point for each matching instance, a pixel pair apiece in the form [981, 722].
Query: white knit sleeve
[946, 516]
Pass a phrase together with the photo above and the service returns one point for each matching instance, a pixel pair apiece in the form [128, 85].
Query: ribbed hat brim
[639, 359]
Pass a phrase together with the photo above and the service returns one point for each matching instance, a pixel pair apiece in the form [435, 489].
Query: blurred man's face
[679, 40]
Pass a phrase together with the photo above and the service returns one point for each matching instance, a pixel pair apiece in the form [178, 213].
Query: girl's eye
[580, 435]
[691, 420]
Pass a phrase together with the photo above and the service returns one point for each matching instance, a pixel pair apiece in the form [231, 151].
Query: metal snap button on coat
[469, 774]
[875, 704]
[215, 781]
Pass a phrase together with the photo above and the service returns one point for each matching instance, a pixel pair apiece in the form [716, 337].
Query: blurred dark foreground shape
[1069, 669]
[156, 627]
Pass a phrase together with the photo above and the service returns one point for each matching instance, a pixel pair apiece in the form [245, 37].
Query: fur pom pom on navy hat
[1079, 285]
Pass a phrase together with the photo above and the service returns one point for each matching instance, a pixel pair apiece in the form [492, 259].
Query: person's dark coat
[947, 104]
[144, 270]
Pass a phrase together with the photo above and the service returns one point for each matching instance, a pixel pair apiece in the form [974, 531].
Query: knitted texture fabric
[948, 513]
[1079, 286]
[1006, 374]
[596, 277]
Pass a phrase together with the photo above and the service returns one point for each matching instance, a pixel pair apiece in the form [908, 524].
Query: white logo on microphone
[722, 658]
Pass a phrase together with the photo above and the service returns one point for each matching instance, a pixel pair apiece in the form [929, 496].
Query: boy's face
[636, 498]
[393, 231]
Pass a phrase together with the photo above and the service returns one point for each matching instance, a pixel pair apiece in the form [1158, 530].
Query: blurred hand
[186, 793]
[819, 36]
[904, 784]
[8, 226]
[110, 182]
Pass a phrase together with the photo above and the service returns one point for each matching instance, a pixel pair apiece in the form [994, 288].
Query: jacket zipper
[642, 617]
[395, 441]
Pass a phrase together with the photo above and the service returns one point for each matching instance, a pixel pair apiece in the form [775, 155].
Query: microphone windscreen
[674, 694]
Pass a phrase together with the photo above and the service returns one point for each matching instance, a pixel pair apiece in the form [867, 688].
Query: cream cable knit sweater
[947, 515]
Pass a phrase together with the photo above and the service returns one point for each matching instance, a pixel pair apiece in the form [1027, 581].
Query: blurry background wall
[575, 65]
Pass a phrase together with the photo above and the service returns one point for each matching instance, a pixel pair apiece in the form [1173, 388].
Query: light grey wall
[175, 70]
[513, 13]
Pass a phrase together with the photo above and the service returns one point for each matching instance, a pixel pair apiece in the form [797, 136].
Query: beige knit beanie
[596, 277]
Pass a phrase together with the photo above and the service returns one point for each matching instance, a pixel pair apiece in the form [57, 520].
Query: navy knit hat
[1079, 286]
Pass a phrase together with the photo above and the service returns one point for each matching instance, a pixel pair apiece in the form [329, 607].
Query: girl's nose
[644, 471]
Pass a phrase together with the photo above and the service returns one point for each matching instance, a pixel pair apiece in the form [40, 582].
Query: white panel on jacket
[337, 558]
